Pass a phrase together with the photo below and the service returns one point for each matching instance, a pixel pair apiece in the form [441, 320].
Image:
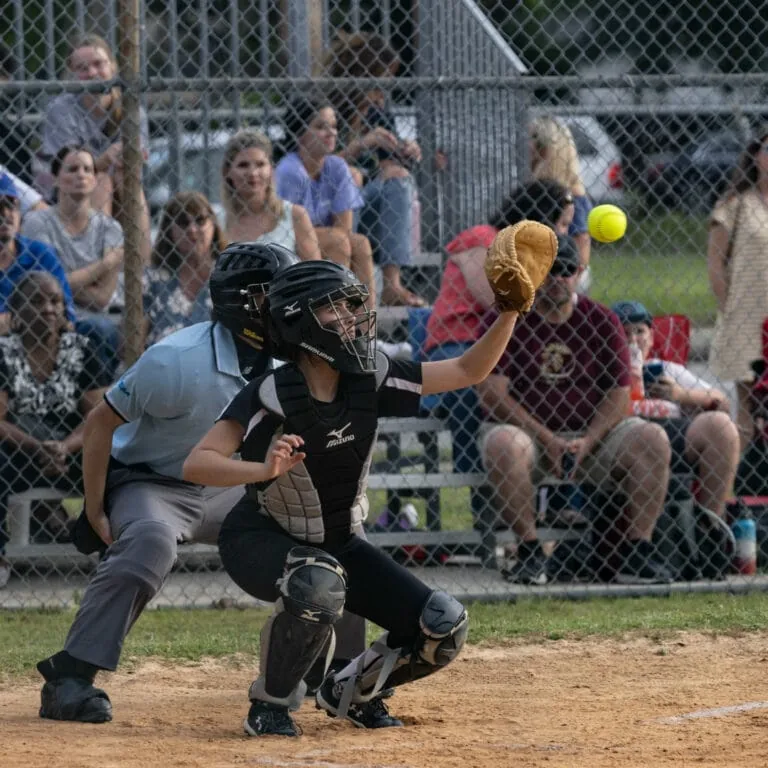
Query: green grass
[662, 261]
[191, 635]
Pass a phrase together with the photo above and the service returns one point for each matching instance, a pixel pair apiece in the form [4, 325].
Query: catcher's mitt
[518, 260]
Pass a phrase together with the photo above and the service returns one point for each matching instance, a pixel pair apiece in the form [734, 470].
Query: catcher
[305, 433]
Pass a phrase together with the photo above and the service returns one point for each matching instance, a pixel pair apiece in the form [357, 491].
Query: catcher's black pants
[254, 547]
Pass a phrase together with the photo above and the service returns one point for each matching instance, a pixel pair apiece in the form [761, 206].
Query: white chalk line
[714, 712]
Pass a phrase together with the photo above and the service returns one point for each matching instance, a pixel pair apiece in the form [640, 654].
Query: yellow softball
[607, 223]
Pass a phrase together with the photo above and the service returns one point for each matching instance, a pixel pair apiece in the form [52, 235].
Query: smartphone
[377, 117]
[651, 372]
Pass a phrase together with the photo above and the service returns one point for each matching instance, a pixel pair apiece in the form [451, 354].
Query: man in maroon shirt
[563, 388]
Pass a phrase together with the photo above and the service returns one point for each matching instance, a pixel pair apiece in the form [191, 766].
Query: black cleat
[369, 714]
[266, 719]
[74, 698]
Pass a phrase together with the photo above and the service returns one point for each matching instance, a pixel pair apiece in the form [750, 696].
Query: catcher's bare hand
[284, 455]
[517, 263]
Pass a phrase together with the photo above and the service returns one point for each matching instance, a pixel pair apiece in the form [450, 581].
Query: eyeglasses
[183, 220]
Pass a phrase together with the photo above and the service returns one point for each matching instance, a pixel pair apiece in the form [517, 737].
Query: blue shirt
[172, 395]
[34, 256]
[333, 192]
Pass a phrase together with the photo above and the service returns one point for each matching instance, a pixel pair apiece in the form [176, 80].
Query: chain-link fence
[620, 443]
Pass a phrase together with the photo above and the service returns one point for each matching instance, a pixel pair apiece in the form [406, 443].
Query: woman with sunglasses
[188, 243]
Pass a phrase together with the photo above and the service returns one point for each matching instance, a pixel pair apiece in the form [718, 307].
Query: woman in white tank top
[253, 210]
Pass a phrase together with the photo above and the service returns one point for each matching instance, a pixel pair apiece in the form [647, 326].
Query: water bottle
[636, 388]
[745, 533]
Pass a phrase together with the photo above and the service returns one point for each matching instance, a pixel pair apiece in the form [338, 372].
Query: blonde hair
[115, 112]
[233, 205]
[556, 156]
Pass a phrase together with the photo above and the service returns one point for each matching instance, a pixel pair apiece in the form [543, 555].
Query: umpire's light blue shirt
[172, 395]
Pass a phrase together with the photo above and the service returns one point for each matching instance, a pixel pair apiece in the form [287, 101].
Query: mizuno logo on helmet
[291, 309]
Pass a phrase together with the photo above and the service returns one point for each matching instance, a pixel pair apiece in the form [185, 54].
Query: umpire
[137, 506]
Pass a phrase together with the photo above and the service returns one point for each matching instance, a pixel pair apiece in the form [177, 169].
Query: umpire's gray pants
[149, 517]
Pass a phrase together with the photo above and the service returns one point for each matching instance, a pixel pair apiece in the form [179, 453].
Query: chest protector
[327, 490]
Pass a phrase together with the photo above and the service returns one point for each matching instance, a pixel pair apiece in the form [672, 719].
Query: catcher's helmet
[347, 339]
[239, 282]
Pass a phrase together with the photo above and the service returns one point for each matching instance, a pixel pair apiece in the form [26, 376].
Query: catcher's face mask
[348, 329]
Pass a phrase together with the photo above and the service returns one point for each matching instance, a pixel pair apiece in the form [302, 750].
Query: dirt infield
[562, 703]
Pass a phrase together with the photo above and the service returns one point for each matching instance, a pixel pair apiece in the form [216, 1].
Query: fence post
[128, 61]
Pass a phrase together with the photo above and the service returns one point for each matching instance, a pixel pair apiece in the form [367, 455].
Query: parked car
[692, 180]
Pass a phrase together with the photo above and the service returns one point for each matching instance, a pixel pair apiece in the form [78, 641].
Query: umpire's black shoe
[370, 714]
[74, 698]
[266, 719]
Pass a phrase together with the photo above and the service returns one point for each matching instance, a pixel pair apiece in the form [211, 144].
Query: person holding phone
[696, 418]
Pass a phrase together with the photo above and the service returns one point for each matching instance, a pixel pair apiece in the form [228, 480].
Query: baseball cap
[567, 260]
[7, 187]
[632, 312]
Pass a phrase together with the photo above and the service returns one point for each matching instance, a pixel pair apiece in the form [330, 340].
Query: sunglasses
[563, 268]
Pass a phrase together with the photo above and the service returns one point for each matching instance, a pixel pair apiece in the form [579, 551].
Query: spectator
[312, 176]
[94, 120]
[29, 198]
[456, 318]
[737, 256]
[554, 156]
[16, 143]
[20, 255]
[188, 243]
[701, 433]
[89, 245]
[49, 381]
[560, 396]
[389, 217]
[254, 211]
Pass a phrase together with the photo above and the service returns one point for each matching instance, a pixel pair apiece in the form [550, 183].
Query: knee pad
[442, 631]
[312, 594]
[443, 627]
[314, 586]
[144, 555]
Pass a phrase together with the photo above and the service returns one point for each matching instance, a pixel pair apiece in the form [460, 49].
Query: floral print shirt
[55, 402]
[167, 306]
